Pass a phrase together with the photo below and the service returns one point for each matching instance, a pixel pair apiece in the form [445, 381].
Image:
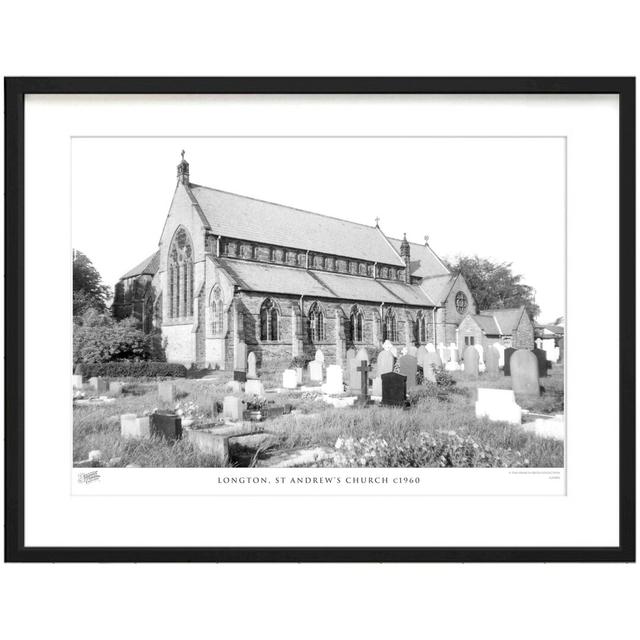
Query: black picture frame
[15, 91]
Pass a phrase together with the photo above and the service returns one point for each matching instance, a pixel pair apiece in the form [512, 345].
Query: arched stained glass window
[356, 324]
[180, 275]
[422, 327]
[269, 320]
[316, 323]
[217, 308]
[390, 326]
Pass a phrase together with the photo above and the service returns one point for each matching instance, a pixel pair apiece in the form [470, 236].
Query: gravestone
[394, 389]
[234, 386]
[376, 387]
[240, 362]
[412, 351]
[133, 427]
[320, 356]
[431, 347]
[492, 358]
[76, 381]
[524, 373]
[351, 353]
[387, 345]
[408, 367]
[116, 387]
[252, 366]
[499, 347]
[508, 352]
[385, 362]
[443, 352]
[289, 379]
[499, 405]
[453, 364]
[232, 408]
[480, 349]
[166, 425]
[334, 384]
[431, 363]
[471, 362]
[354, 363]
[364, 370]
[166, 395]
[315, 371]
[211, 444]
[254, 388]
[538, 343]
[543, 365]
[98, 384]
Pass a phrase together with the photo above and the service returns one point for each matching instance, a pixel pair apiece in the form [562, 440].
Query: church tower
[405, 254]
[183, 170]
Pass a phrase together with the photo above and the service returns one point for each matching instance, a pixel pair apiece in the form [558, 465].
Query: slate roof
[507, 319]
[424, 262]
[149, 266]
[237, 216]
[487, 324]
[268, 278]
[438, 287]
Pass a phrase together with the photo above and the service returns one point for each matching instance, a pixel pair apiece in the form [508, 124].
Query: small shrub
[300, 362]
[126, 369]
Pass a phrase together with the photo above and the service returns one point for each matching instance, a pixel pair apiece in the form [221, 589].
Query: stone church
[231, 268]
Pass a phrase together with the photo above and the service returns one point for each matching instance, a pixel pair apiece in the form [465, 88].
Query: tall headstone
[166, 425]
[394, 389]
[524, 373]
[443, 352]
[385, 362]
[408, 367]
[289, 379]
[471, 362]
[252, 366]
[492, 358]
[543, 364]
[508, 352]
[480, 349]
[431, 347]
[335, 383]
[412, 351]
[364, 368]
[431, 363]
[232, 408]
[319, 356]
[420, 355]
[387, 345]
[453, 364]
[315, 371]
[240, 362]
[166, 395]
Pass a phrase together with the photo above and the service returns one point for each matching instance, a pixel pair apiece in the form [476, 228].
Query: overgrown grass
[440, 428]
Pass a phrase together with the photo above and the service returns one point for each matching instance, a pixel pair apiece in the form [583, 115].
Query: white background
[490, 38]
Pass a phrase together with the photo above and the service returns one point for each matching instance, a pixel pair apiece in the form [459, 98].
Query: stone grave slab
[116, 387]
[315, 371]
[252, 366]
[254, 388]
[335, 380]
[166, 395]
[131, 426]
[99, 385]
[471, 359]
[209, 443]
[290, 379]
[498, 405]
[232, 408]
[492, 360]
[394, 389]
[166, 425]
[408, 367]
[524, 373]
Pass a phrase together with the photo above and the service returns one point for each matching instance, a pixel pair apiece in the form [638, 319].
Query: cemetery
[386, 408]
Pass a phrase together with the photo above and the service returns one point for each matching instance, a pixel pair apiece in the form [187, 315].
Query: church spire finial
[405, 254]
[183, 170]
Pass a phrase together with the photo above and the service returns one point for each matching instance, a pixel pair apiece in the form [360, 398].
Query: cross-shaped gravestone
[364, 369]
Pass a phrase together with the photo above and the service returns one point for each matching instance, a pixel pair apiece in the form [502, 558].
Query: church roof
[267, 278]
[438, 287]
[487, 324]
[243, 217]
[506, 319]
[149, 266]
[424, 262]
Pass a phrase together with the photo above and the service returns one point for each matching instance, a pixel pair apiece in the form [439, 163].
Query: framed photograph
[320, 319]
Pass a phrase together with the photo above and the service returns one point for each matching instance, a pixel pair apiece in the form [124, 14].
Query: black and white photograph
[319, 302]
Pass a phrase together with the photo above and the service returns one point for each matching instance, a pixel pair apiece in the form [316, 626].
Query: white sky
[500, 198]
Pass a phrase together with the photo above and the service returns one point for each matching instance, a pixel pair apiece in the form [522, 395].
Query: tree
[88, 290]
[494, 285]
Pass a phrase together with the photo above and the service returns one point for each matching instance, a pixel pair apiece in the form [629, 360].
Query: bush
[99, 338]
[300, 361]
[127, 369]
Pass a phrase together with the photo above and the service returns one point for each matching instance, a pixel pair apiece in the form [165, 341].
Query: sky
[499, 198]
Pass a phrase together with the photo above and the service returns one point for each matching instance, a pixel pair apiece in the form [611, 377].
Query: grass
[439, 429]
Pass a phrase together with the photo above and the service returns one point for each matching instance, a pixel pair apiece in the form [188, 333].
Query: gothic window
[254, 252]
[356, 324]
[390, 326]
[269, 321]
[157, 313]
[385, 272]
[422, 328]
[461, 302]
[217, 307]
[316, 323]
[363, 269]
[180, 275]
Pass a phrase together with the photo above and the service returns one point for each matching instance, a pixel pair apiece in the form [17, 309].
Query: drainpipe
[218, 246]
[433, 313]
